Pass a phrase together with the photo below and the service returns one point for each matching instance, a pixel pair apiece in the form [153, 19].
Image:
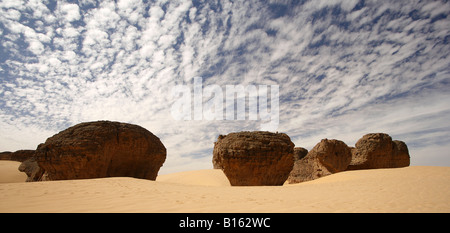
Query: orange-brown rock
[377, 150]
[400, 157]
[254, 158]
[216, 160]
[327, 157]
[299, 153]
[20, 155]
[101, 149]
[5, 155]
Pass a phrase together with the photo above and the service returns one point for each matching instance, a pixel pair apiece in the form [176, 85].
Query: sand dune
[410, 189]
[9, 172]
[208, 177]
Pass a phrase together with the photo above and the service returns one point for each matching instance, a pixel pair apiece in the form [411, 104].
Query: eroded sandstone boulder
[32, 169]
[101, 149]
[377, 150]
[327, 157]
[400, 156]
[254, 158]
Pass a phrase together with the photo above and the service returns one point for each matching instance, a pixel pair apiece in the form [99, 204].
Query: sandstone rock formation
[216, 160]
[377, 150]
[20, 155]
[101, 149]
[5, 155]
[254, 158]
[32, 169]
[327, 157]
[299, 153]
[400, 157]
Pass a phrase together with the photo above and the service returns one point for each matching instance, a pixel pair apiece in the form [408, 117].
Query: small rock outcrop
[254, 158]
[101, 149]
[327, 157]
[299, 153]
[377, 150]
[32, 169]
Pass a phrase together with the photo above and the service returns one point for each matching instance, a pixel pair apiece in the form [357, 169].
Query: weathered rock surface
[299, 153]
[400, 157]
[5, 155]
[101, 149]
[32, 169]
[20, 155]
[377, 150]
[327, 157]
[217, 157]
[254, 158]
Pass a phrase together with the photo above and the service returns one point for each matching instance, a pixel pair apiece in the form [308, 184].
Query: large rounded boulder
[378, 150]
[254, 158]
[327, 157]
[101, 149]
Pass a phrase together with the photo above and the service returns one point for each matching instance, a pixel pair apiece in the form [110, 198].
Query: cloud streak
[344, 68]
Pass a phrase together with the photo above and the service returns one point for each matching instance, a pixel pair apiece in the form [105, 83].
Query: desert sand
[9, 172]
[409, 189]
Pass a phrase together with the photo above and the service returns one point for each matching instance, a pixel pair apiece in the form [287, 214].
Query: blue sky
[344, 69]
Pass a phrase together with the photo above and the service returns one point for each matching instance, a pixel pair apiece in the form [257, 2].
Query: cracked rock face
[254, 158]
[101, 149]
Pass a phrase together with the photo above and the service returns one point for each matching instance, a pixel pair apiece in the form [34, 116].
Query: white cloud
[36, 47]
[69, 11]
[69, 32]
[12, 14]
[17, 4]
[341, 74]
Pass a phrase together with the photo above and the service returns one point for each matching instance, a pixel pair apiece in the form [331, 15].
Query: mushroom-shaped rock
[101, 149]
[254, 158]
[327, 157]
